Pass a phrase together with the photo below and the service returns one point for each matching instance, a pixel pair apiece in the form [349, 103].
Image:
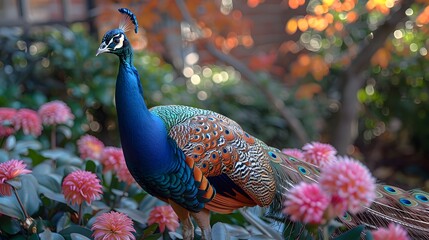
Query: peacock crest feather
[128, 20]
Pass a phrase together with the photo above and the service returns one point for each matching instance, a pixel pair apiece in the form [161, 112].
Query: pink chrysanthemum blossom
[10, 170]
[113, 225]
[124, 174]
[306, 203]
[90, 147]
[319, 153]
[111, 158]
[294, 152]
[6, 121]
[165, 217]
[55, 112]
[28, 120]
[393, 232]
[80, 186]
[351, 181]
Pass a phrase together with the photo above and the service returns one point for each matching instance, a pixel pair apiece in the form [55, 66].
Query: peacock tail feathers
[392, 204]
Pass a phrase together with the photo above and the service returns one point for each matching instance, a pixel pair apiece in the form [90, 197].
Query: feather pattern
[222, 150]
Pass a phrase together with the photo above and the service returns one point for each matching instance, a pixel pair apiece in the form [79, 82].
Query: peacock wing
[243, 170]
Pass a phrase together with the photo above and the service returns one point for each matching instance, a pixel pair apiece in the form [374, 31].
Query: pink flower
[293, 152]
[319, 153]
[111, 158]
[124, 174]
[90, 147]
[10, 170]
[306, 202]
[113, 225]
[28, 121]
[393, 232]
[80, 186]
[165, 217]
[55, 112]
[351, 181]
[6, 120]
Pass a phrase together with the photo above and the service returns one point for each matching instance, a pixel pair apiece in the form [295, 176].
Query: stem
[2, 141]
[19, 201]
[80, 215]
[53, 136]
[325, 233]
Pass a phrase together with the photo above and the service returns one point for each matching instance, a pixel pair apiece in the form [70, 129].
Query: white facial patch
[121, 42]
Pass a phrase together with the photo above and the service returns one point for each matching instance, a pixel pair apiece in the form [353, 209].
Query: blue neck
[143, 135]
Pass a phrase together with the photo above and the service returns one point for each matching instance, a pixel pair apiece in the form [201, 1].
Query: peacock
[200, 161]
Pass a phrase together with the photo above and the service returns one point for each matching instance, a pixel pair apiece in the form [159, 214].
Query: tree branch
[251, 78]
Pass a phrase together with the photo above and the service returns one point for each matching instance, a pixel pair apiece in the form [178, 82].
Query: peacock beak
[102, 49]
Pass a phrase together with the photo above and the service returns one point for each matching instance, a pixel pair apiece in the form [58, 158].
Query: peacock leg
[203, 220]
[185, 219]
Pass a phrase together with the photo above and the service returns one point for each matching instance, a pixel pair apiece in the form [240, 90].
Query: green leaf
[9, 225]
[48, 235]
[24, 146]
[219, 231]
[52, 195]
[153, 236]
[150, 230]
[36, 157]
[4, 156]
[28, 194]
[91, 166]
[134, 214]
[15, 182]
[66, 131]
[64, 222]
[62, 156]
[10, 207]
[48, 181]
[77, 236]
[66, 232]
[10, 143]
[352, 234]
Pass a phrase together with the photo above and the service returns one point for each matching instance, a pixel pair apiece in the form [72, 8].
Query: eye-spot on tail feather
[407, 208]
[288, 172]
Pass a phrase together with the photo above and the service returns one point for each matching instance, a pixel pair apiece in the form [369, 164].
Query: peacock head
[115, 41]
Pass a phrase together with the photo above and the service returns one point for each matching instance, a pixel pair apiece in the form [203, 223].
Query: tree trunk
[354, 77]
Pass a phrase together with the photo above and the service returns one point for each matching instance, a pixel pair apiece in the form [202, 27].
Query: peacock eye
[116, 40]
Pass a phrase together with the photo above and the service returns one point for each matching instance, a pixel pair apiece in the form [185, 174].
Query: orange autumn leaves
[307, 64]
[325, 14]
[322, 16]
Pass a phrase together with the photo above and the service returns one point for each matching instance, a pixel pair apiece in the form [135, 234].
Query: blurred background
[350, 73]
